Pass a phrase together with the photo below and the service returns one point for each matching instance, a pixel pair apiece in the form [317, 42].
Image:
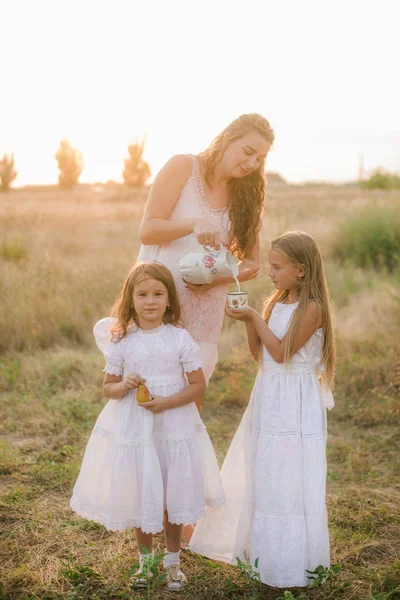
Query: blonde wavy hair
[301, 250]
[123, 310]
[246, 194]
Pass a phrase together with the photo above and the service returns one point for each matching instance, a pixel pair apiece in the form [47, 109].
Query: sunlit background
[101, 73]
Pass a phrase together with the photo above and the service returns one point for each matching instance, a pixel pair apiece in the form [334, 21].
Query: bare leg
[187, 533]
[173, 534]
[144, 539]
[176, 580]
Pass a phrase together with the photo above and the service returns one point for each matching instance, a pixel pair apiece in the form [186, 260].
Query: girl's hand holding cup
[244, 314]
[132, 381]
[237, 307]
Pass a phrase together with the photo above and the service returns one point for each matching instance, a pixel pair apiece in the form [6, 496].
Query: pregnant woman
[212, 198]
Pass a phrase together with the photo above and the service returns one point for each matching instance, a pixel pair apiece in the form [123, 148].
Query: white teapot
[202, 265]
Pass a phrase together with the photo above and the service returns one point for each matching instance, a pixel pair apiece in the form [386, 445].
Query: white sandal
[142, 582]
[175, 578]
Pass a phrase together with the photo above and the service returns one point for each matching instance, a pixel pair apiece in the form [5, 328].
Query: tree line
[70, 164]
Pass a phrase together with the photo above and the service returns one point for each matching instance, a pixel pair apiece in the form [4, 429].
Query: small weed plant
[327, 578]
[150, 571]
[83, 579]
[289, 596]
[250, 574]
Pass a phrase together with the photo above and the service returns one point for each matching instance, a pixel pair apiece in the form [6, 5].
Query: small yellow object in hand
[143, 394]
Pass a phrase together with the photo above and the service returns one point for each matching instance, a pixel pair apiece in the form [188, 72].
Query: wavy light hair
[246, 194]
[301, 250]
[123, 310]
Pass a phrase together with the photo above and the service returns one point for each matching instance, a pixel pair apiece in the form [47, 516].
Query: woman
[213, 198]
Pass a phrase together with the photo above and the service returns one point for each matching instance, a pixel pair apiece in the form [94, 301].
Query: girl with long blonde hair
[274, 473]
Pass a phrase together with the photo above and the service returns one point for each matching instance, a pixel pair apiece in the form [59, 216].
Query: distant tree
[380, 179]
[136, 171]
[70, 163]
[7, 172]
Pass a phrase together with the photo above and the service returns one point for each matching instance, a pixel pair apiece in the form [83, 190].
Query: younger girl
[149, 464]
[275, 469]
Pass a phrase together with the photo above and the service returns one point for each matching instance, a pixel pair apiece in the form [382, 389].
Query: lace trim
[198, 184]
[112, 525]
[305, 517]
[156, 386]
[313, 436]
[113, 369]
[145, 441]
[192, 517]
[165, 381]
[283, 434]
[287, 434]
[214, 215]
[194, 365]
[174, 437]
[123, 441]
[270, 367]
[293, 584]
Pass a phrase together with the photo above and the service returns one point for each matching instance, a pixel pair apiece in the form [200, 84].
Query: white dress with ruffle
[274, 473]
[202, 313]
[138, 464]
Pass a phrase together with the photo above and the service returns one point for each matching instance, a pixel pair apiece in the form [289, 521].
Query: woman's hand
[205, 234]
[131, 382]
[240, 314]
[156, 405]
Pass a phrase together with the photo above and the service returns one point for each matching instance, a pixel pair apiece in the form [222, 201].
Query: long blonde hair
[123, 310]
[246, 194]
[301, 250]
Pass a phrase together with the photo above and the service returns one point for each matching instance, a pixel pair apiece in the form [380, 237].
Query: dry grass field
[63, 256]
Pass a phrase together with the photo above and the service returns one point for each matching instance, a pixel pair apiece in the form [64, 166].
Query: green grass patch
[370, 238]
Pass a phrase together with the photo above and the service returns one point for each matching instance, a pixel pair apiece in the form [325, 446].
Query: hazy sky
[325, 74]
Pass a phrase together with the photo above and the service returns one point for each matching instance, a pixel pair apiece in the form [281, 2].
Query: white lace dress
[274, 473]
[137, 464]
[202, 313]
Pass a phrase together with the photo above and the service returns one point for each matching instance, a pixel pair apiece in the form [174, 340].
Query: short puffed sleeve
[114, 359]
[112, 350]
[189, 352]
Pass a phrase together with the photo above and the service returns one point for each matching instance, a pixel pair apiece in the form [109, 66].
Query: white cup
[238, 300]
